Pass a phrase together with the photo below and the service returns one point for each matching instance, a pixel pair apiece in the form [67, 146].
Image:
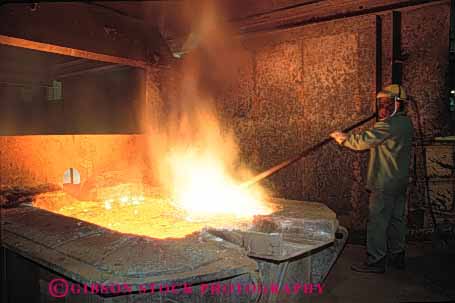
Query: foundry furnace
[275, 257]
[180, 151]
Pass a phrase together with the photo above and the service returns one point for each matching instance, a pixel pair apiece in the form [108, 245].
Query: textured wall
[425, 32]
[327, 77]
[425, 38]
[343, 84]
[29, 161]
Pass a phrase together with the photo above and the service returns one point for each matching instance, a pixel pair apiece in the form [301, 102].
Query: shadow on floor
[429, 277]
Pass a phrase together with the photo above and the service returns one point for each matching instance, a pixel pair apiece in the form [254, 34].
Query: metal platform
[295, 244]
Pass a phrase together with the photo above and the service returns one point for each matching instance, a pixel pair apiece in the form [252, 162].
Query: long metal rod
[73, 52]
[104, 68]
[306, 152]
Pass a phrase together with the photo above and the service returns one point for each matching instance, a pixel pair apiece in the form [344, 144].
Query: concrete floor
[429, 277]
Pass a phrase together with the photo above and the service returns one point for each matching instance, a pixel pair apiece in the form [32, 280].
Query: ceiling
[174, 17]
[233, 9]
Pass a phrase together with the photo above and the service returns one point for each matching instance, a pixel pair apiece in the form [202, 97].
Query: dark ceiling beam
[321, 11]
[272, 11]
[113, 10]
[24, 84]
[69, 63]
[105, 68]
[76, 66]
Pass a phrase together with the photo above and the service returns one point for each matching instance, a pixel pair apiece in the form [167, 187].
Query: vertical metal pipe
[451, 73]
[452, 28]
[396, 48]
[378, 53]
[378, 60]
[451, 66]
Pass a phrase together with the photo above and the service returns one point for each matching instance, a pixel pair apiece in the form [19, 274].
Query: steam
[192, 147]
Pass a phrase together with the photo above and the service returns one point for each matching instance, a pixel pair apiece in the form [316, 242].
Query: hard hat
[394, 91]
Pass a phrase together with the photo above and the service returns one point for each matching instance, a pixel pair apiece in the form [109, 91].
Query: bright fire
[152, 215]
[203, 187]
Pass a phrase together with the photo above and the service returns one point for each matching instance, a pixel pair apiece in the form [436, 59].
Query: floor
[429, 277]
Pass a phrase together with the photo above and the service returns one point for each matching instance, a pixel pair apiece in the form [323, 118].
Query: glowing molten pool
[152, 215]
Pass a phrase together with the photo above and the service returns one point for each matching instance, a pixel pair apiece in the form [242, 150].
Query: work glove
[339, 137]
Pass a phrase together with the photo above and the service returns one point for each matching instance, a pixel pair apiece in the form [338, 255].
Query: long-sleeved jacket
[390, 144]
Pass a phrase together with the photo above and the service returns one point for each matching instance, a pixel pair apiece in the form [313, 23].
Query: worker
[389, 143]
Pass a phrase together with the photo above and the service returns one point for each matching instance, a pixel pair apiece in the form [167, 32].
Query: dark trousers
[386, 228]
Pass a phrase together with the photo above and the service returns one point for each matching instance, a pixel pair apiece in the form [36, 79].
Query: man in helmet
[389, 142]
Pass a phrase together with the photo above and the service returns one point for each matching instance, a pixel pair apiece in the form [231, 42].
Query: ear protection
[393, 95]
[397, 98]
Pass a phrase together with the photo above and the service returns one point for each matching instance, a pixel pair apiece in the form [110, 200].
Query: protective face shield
[389, 101]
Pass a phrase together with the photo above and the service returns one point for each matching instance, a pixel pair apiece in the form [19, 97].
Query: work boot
[397, 260]
[377, 268]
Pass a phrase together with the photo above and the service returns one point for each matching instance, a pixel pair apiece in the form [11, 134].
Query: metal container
[294, 247]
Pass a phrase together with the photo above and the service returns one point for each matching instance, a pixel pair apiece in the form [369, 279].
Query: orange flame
[201, 168]
[203, 187]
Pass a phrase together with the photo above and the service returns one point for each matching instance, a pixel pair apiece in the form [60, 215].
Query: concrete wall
[29, 161]
[425, 38]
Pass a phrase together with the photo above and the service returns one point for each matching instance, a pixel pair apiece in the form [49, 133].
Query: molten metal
[153, 215]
